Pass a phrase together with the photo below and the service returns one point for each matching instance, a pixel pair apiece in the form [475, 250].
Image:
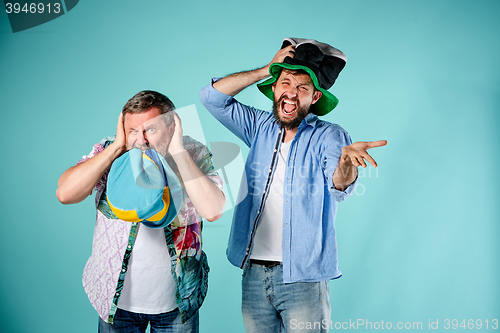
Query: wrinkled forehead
[301, 77]
[147, 119]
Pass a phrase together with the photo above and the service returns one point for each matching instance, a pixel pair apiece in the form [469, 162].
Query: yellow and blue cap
[142, 187]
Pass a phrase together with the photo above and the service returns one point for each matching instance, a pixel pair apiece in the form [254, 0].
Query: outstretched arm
[76, 183]
[234, 83]
[206, 197]
[353, 156]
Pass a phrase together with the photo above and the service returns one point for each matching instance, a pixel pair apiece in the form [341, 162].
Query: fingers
[283, 53]
[364, 145]
[352, 159]
[358, 159]
[289, 50]
[120, 135]
[378, 143]
[120, 131]
[120, 121]
[177, 119]
[177, 122]
[357, 152]
[370, 160]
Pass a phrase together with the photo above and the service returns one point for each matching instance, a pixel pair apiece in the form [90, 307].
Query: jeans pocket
[246, 269]
[324, 291]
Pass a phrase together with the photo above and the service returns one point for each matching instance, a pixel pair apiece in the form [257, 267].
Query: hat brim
[323, 106]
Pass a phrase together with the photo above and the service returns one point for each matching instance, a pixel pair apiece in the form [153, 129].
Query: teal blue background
[418, 242]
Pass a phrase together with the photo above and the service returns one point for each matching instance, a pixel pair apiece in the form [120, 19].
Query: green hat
[321, 61]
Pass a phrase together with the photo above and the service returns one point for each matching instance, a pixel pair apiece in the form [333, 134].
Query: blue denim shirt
[309, 244]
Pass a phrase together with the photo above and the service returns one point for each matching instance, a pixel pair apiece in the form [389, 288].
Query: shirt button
[270, 170]
[129, 247]
[123, 270]
[264, 191]
[117, 294]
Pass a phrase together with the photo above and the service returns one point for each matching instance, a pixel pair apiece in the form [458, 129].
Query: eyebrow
[285, 78]
[308, 84]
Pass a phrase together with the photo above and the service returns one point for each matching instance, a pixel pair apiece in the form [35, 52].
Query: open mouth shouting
[288, 106]
[288, 112]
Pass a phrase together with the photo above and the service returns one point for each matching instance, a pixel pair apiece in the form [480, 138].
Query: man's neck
[289, 134]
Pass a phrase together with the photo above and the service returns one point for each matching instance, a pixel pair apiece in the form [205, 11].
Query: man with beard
[298, 168]
[139, 275]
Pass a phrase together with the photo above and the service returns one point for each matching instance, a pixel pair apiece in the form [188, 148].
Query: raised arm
[206, 197]
[234, 83]
[76, 183]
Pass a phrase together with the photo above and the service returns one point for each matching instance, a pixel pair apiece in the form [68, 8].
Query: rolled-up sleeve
[96, 149]
[240, 119]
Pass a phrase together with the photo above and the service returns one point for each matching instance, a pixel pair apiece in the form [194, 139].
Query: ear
[171, 128]
[274, 85]
[317, 95]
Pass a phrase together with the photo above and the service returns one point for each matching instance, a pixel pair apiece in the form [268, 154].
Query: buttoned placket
[285, 248]
[288, 202]
[274, 162]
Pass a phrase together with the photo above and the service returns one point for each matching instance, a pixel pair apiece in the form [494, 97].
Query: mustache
[144, 146]
[293, 99]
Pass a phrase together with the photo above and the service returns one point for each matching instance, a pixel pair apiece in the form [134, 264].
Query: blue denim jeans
[269, 305]
[130, 322]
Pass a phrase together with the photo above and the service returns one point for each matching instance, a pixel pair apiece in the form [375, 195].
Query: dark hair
[294, 71]
[147, 99]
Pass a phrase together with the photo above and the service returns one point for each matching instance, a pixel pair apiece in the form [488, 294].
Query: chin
[288, 122]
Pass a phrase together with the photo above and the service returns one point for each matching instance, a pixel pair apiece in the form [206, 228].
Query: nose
[142, 138]
[292, 92]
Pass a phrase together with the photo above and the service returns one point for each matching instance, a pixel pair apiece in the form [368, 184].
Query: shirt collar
[311, 119]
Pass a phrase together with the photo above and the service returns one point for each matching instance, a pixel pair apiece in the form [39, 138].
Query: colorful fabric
[113, 242]
[141, 187]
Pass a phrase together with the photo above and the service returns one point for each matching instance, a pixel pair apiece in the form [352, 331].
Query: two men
[283, 233]
[138, 275]
[298, 168]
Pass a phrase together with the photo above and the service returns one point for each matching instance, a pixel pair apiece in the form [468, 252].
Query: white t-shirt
[269, 233]
[149, 285]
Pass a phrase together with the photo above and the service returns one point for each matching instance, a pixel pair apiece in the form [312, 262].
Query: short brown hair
[147, 99]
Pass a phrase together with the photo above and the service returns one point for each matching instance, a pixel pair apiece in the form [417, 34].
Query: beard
[300, 114]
